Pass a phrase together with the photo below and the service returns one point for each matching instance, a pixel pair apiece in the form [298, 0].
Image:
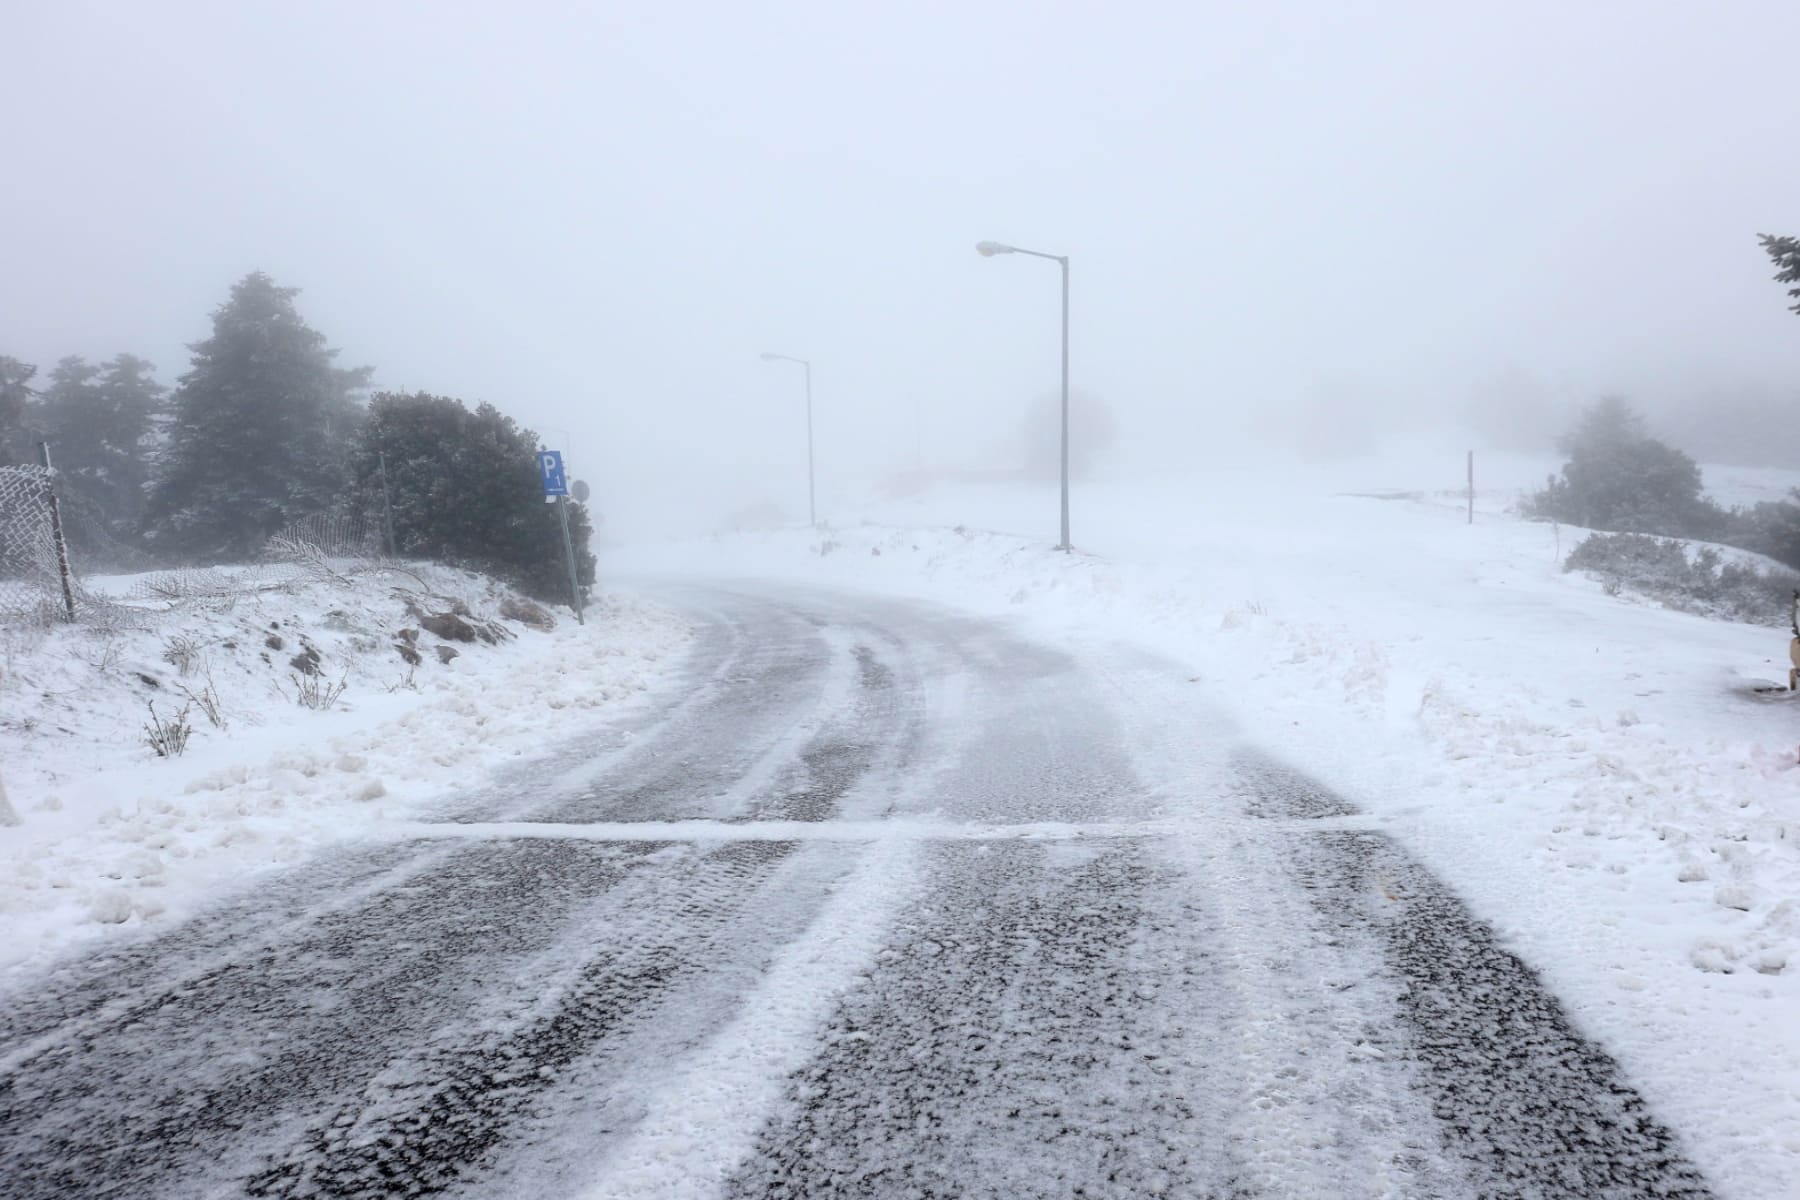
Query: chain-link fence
[34, 585]
[335, 546]
[41, 585]
[332, 536]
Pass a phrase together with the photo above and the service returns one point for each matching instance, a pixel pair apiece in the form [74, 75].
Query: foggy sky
[597, 216]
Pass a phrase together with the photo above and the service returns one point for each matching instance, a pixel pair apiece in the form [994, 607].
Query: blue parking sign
[550, 465]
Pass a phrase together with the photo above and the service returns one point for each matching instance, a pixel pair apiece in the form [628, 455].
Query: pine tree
[465, 490]
[99, 422]
[67, 408]
[1785, 252]
[261, 429]
[16, 405]
[132, 403]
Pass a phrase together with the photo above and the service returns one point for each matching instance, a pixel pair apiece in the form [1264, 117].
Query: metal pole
[56, 531]
[1065, 546]
[387, 505]
[988, 250]
[812, 507]
[1471, 487]
[562, 513]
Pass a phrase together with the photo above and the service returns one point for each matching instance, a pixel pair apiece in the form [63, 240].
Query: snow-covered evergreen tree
[1785, 252]
[466, 490]
[67, 411]
[16, 404]
[99, 421]
[260, 432]
[1620, 479]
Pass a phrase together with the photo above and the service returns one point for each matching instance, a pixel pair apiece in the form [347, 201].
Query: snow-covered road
[878, 901]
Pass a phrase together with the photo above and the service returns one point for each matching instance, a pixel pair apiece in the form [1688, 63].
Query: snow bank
[1598, 777]
[112, 835]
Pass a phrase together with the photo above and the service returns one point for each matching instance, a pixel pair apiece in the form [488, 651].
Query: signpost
[387, 506]
[550, 464]
[556, 488]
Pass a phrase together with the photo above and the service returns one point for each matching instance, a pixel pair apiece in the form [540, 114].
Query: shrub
[1771, 528]
[318, 693]
[181, 653]
[465, 489]
[1619, 478]
[1706, 584]
[168, 736]
[207, 701]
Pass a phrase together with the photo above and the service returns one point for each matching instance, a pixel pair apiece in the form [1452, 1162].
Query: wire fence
[332, 536]
[32, 575]
[41, 584]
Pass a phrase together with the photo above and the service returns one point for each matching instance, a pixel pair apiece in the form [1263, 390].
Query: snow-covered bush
[312, 690]
[1620, 478]
[1705, 583]
[207, 701]
[465, 489]
[1771, 528]
[181, 653]
[168, 736]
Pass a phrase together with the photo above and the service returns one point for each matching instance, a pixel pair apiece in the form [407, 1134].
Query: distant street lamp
[812, 510]
[988, 250]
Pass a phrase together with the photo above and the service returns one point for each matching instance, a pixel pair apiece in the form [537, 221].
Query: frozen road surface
[880, 902]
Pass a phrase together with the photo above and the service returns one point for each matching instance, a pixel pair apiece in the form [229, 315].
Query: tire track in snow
[1012, 1041]
[430, 1118]
[736, 641]
[201, 1075]
[152, 1094]
[730, 740]
[1529, 1105]
[1299, 1087]
[429, 1122]
[1239, 1016]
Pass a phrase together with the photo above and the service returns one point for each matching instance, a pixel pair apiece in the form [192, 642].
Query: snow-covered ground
[113, 838]
[1595, 774]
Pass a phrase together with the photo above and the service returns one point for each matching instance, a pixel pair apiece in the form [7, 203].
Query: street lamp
[988, 250]
[812, 509]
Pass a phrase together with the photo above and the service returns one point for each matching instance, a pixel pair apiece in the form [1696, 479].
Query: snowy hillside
[1596, 774]
[319, 707]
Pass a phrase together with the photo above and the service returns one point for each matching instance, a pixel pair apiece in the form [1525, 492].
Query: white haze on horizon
[1291, 225]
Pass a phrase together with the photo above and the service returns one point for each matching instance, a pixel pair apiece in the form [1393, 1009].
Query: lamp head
[767, 357]
[989, 249]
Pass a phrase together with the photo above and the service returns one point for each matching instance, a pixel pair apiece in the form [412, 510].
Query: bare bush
[318, 693]
[104, 659]
[207, 701]
[181, 653]
[168, 736]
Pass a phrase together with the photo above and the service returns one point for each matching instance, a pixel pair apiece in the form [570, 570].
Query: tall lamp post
[988, 250]
[812, 509]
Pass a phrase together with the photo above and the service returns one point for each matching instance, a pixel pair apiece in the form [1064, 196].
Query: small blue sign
[550, 464]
